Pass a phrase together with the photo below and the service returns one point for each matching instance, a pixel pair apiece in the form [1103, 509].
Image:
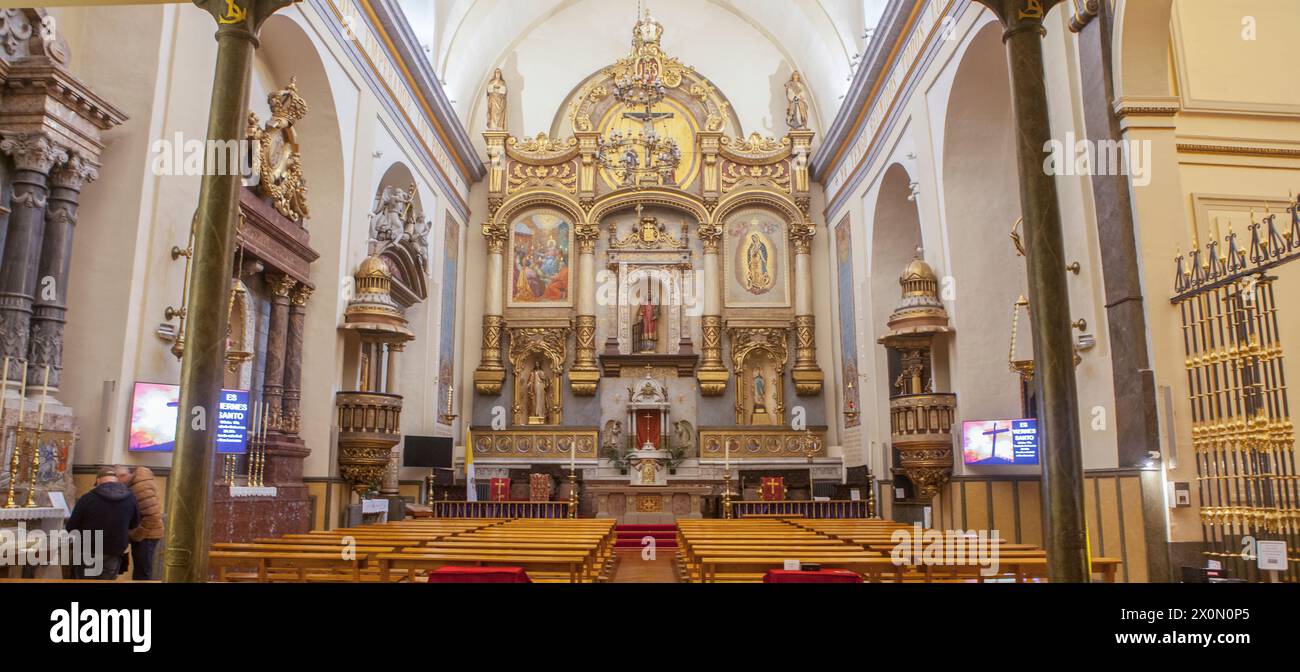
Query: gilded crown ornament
[276, 160]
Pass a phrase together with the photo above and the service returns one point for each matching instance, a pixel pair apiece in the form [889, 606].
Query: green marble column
[1049, 299]
[203, 365]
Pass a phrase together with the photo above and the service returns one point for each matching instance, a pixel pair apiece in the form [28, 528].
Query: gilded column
[51, 307]
[33, 156]
[291, 414]
[585, 374]
[393, 383]
[490, 372]
[806, 374]
[712, 374]
[276, 334]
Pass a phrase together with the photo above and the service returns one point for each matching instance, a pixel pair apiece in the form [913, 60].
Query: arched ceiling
[549, 46]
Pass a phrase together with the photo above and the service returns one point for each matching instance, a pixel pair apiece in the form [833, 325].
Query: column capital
[243, 17]
[74, 173]
[801, 235]
[302, 294]
[280, 284]
[1020, 15]
[33, 151]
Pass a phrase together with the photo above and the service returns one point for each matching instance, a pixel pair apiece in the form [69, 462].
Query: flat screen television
[153, 419]
[998, 442]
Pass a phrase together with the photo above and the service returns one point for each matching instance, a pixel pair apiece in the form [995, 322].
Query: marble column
[1049, 299]
[490, 373]
[806, 374]
[392, 382]
[585, 374]
[712, 375]
[291, 405]
[276, 334]
[50, 306]
[33, 156]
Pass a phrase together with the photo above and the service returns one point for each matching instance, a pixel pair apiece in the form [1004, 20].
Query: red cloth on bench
[819, 576]
[452, 574]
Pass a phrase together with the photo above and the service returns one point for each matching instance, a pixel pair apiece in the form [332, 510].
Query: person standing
[110, 509]
[144, 539]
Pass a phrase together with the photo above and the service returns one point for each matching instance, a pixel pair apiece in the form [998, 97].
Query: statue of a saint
[496, 102]
[386, 225]
[647, 325]
[760, 390]
[536, 385]
[796, 103]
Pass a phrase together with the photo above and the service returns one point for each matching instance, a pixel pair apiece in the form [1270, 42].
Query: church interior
[665, 291]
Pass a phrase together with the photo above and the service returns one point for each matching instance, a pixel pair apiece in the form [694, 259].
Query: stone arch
[517, 205]
[895, 234]
[289, 50]
[981, 201]
[771, 200]
[1140, 47]
[674, 200]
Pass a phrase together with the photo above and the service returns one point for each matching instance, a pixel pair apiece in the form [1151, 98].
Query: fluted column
[33, 156]
[51, 293]
[276, 335]
[806, 374]
[490, 373]
[712, 374]
[293, 360]
[585, 374]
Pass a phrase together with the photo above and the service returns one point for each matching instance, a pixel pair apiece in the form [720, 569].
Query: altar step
[630, 536]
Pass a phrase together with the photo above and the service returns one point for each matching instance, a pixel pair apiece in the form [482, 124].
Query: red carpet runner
[630, 536]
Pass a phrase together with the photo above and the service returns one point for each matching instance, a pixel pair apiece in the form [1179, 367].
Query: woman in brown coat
[144, 539]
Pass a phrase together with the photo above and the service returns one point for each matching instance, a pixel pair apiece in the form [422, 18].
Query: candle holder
[448, 417]
[14, 464]
[726, 494]
[36, 443]
[573, 493]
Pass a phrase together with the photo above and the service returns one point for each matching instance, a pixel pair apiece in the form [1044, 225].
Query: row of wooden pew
[737, 551]
[573, 551]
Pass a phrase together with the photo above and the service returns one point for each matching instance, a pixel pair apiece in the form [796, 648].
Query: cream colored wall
[1229, 96]
[962, 249]
[123, 276]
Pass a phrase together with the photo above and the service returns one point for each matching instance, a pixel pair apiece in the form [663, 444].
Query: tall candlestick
[36, 444]
[18, 438]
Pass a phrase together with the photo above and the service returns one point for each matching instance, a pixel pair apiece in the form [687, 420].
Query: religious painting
[540, 244]
[848, 321]
[447, 316]
[757, 273]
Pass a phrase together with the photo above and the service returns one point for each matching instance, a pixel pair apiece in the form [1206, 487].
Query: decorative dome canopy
[919, 311]
[372, 307]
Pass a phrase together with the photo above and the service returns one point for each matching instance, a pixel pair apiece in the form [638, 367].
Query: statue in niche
[796, 103]
[386, 223]
[760, 390]
[496, 102]
[646, 325]
[535, 386]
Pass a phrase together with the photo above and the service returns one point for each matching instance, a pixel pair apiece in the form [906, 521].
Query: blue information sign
[232, 422]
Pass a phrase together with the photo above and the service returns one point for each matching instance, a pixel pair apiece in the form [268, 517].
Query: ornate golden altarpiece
[647, 222]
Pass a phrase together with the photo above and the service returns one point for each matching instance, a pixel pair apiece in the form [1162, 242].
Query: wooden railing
[802, 509]
[445, 509]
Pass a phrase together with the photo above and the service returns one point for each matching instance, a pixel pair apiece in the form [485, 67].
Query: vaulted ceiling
[742, 45]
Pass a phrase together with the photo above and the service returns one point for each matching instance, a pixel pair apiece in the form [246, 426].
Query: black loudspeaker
[427, 452]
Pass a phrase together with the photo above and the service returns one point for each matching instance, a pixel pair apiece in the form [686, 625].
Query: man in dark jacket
[109, 508]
